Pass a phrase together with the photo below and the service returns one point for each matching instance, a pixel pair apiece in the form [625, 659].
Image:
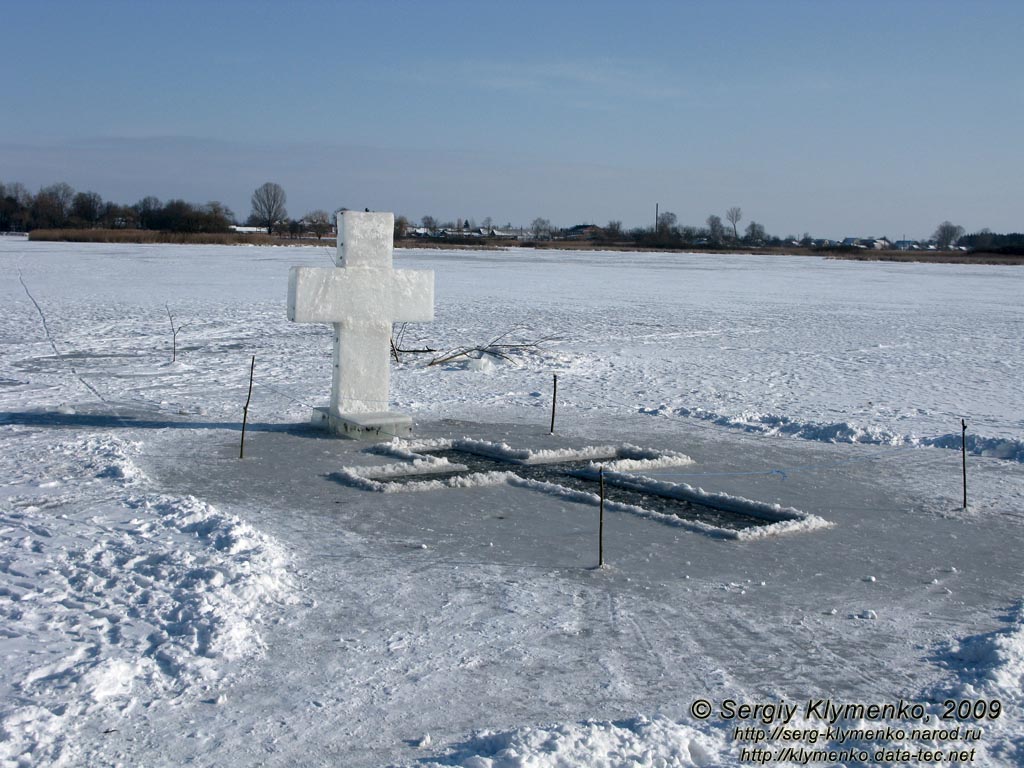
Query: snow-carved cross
[361, 297]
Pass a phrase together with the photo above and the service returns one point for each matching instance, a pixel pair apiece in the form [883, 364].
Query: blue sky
[837, 118]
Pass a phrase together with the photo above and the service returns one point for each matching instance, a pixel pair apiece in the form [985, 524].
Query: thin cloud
[562, 79]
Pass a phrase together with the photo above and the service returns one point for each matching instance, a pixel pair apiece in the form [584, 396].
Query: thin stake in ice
[362, 297]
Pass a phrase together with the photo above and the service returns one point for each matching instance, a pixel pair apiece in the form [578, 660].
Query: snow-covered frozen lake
[163, 602]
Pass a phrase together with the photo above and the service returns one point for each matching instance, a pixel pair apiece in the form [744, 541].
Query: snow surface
[165, 603]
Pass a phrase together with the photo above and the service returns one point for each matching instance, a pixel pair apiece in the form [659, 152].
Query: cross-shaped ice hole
[562, 473]
[573, 474]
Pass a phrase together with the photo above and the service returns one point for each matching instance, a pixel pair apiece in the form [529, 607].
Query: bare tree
[733, 216]
[220, 215]
[540, 228]
[666, 220]
[15, 201]
[175, 330]
[755, 234]
[268, 205]
[86, 209]
[401, 227]
[716, 230]
[147, 211]
[947, 233]
[319, 222]
[429, 223]
[51, 207]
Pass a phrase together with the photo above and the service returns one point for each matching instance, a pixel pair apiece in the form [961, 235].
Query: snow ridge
[990, 667]
[846, 432]
[992, 662]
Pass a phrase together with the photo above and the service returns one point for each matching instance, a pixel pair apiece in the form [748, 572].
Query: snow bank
[991, 447]
[214, 595]
[108, 457]
[847, 432]
[992, 663]
[640, 742]
[990, 667]
[130, 596]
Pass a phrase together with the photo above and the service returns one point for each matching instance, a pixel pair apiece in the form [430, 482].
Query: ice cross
[362, 297]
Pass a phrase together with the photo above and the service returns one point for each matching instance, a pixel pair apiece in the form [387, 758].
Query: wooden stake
[963, 454]
[554, 397]
[600, 527]
[174, 335]
[245, 410]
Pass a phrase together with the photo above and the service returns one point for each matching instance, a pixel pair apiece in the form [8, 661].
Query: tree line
[665, 232]
[59, 206]
[715, 233]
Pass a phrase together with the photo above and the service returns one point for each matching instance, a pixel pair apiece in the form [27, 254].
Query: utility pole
[655, 218]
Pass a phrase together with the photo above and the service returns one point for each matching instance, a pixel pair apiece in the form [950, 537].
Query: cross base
[382, 425]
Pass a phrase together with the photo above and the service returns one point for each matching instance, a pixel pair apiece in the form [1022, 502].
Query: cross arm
[331, 295]
[412, 295]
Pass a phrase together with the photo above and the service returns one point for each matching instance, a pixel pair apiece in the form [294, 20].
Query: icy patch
[641, 742]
